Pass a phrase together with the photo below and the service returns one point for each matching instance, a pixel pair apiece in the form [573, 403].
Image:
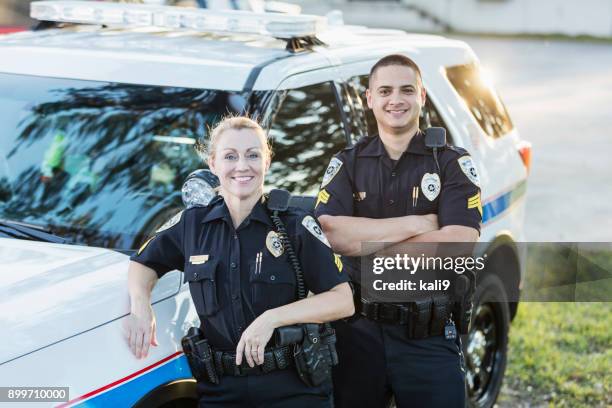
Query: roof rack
[281, 26]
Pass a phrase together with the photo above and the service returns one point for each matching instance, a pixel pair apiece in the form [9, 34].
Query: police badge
[274, 244]
[467, 167]
[311, 225]
[332, 170]
[430, 184]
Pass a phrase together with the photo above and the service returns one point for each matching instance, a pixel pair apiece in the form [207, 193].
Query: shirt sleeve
[336, 193]
[460, 202]
[322, 269]
[164, 251]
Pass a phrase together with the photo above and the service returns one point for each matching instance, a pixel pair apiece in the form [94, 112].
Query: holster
[314, 350]
[465, 287]
[199, 356]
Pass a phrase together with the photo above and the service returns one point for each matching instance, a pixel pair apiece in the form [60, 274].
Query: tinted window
[100, 163]
[481, 99]
[305, 131]
[359, 84]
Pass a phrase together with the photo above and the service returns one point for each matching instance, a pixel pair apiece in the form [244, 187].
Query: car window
[98, 162]
[481, 99]
[306, 130]
[357, 86]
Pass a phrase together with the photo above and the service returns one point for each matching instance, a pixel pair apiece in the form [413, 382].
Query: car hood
[49, 292]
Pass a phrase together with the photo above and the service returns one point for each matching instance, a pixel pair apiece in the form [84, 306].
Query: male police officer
[389, 188]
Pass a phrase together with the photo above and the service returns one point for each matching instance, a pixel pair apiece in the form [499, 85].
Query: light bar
[144, 15]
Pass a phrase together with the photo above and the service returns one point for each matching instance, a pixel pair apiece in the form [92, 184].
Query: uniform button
[391, 202]
[233, 265]
[235, 236]
[195, 275]
[272, 277]
[393, 174]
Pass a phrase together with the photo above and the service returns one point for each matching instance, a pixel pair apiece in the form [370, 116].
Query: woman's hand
[139, 330]
[254, 339]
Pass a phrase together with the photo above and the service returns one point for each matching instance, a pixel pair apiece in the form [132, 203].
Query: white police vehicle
[98, 124]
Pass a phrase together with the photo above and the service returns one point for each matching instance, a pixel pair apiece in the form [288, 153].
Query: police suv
[102, 108]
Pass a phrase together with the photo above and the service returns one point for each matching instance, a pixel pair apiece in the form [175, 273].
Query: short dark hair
[395, 59]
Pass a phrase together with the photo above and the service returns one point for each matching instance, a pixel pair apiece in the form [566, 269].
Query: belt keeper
[422, 314]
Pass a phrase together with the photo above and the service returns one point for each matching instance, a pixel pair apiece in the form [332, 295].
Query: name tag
[198, 259]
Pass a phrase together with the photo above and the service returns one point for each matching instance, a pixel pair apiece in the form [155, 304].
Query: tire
[486, 345]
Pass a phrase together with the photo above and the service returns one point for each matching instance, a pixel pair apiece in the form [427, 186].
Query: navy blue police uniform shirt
[363, 181]
[235, 275]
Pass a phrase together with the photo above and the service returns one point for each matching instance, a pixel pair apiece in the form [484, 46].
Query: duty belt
[277, 358]
[422, 318]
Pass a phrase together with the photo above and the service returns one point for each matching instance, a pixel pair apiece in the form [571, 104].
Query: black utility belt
[277, 358]
[423, 318]
[309, 347]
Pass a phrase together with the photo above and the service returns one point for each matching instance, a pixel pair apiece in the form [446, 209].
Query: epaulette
[459, 150]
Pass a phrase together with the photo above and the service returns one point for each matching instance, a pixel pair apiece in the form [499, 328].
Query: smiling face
[396, 96]
[240, 160]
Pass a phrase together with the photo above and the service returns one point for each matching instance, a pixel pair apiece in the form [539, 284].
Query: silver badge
[311, 225]
[332, 170]
[274, 244]
[170, 223]
[430, 184]
[469, 169]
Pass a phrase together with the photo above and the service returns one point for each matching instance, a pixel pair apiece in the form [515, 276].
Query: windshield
[100, 163]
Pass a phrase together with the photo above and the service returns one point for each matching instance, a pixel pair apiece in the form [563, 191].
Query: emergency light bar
[144, 15]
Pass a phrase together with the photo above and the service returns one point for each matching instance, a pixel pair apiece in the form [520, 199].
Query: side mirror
[199, 188]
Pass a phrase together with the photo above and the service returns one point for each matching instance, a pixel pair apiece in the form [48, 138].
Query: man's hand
[254, 339]
[139, 330]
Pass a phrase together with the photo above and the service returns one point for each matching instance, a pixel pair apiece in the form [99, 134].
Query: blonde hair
[236, 123]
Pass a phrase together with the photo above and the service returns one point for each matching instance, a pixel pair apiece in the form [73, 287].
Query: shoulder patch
[469, 169]
[311, 225]
[334, 167]
[170, 223]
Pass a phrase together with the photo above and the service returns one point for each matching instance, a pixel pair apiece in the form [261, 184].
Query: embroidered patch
[430, 185]
[198, 259]
[323, 197]
[313, 227]
[274, 244]
[333, 169]
[338, 262]
[142, 248]
[170, 223]
[474, 202]
[469, 169]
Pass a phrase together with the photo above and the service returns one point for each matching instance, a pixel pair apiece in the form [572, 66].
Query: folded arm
[346, 234]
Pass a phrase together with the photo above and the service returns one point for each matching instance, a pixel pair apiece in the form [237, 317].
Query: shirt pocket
[272, 283]
[203, 286]
[367, 206]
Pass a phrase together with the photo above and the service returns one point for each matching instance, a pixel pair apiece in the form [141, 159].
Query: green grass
[560, 355]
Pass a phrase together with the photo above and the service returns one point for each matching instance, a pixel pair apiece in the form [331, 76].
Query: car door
[306, 128]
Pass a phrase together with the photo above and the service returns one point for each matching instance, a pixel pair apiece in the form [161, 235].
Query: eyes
[387, 91]
[249, 156]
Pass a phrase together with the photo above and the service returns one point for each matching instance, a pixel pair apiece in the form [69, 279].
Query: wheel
[486, 345]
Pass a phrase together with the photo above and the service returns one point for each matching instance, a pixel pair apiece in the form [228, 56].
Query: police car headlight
[199, 188]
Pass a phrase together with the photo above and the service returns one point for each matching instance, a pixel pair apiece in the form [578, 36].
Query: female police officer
[240, 278]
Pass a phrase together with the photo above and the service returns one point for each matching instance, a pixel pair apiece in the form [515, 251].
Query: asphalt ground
[559, 95]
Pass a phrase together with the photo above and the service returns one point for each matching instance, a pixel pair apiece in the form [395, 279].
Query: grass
[560, 355]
